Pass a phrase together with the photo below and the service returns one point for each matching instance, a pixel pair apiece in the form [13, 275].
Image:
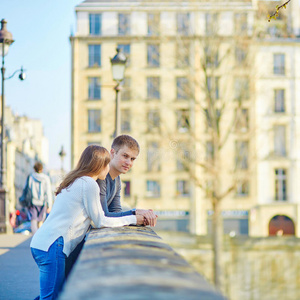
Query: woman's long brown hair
[92, 160]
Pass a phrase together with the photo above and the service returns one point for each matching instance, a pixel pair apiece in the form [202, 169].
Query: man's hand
[140, 220]
[149, 215]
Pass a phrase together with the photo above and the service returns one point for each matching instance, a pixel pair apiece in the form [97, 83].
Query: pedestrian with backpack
[37, 196]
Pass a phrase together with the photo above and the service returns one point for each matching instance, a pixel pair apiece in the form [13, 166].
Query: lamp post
[62, 155]
[118, 63]
[6, 40]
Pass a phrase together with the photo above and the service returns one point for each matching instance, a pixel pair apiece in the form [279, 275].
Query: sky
[41, 30]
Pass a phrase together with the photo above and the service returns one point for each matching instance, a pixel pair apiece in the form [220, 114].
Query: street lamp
[118, 63]
[6, 40]
[62, 155]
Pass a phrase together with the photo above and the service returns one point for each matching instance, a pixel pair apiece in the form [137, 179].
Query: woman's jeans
[52, 269]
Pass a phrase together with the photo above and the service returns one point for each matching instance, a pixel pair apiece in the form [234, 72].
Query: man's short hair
[38, 167]
[125, 140]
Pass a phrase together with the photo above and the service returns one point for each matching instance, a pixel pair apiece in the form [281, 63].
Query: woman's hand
[140, 220]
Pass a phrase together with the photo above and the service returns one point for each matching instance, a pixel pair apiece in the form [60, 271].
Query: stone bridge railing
[129, 263]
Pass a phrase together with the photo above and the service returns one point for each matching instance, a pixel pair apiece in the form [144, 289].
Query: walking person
[76, 206]
[39, 196]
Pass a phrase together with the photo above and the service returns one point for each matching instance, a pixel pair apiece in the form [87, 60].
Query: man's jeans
[52, 269]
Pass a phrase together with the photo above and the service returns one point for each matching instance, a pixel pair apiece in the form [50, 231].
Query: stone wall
[254, 268]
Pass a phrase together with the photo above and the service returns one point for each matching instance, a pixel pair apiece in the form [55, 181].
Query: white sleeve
[94, 209]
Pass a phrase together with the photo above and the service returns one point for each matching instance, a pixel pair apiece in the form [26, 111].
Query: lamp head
[6, 38]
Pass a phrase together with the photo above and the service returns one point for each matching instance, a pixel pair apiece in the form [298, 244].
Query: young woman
[76, 206]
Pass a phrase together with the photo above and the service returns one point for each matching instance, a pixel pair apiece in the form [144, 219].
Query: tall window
[127, 191]
[211, 24]
[126, 94]
[183, 54]
[211, 57]
[153, 87]
[95, 24]
[241, 88]
[182, 188]
[242, 120]
[183, 123]
[213, 87]
[183, 23]
[279, 64]
[241, 154]
[125, 120]
[280, 185]
[242, 188]
[94, 55]
[210, 150]
[183, 91]
[240, 55]
[240, 23]
[183, 155]
[153, 188]
[212, 117]
[94, 119]
[153, 55]
[124, 24]
[153, 24]
[126, 50]
[94, 88]
[280, 140]
[279, 101]
[153, 120]
[153, 157]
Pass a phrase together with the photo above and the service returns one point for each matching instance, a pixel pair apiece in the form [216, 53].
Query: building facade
[210, 91]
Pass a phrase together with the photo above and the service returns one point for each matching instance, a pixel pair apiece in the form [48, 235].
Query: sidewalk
[19, 275]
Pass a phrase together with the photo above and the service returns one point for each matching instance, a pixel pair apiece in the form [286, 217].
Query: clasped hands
[145, 217]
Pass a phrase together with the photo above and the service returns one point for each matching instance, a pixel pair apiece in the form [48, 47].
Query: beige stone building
[191, 65]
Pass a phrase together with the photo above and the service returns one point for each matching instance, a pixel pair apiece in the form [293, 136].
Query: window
[183, 155]
[212, 117]
[280, 140]
[94, 119]
[125, 93]
[213, 87]
[153, 87]
[210, 152]
[182, 188]
[127, 188]
[280, 185]
[242, 120]
[241, 88]
[94, 88]
[183, 54]
[210, 188]
[153, 24]
[183, 90]
[211, 24]
[279, 101]
[242, 188]
[153, 188]
[124, 24]
[153, 55]
[211, 57]
[94, 55]
[240, 55]
[183, 123]
[126, 50]
[240, 23]
[241, 155]
[279, 64]
[125, 120]
[153, 120]
[153, 157]
[95, 24]
[183, 24]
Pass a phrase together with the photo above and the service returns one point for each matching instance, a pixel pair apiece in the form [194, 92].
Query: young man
[124, 151]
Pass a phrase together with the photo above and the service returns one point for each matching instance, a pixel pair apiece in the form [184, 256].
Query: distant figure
[38, 189]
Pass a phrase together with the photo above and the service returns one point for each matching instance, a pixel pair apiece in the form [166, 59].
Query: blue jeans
[52, 269]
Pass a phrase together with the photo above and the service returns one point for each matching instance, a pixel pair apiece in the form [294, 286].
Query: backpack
[26, 198]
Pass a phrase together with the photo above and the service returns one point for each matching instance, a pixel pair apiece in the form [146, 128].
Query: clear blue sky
[41, 30]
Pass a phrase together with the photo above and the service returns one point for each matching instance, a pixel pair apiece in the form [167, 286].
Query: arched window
[281, 225]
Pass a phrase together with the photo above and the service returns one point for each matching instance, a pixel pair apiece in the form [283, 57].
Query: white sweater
[71, 215]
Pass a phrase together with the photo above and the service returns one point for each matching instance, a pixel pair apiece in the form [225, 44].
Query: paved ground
[19, 275]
